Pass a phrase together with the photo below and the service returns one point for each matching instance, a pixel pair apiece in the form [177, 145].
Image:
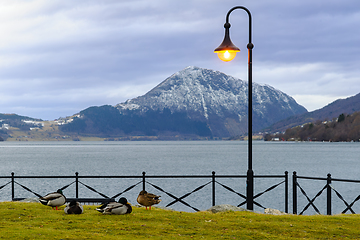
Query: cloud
[313, 85]
[65, 56]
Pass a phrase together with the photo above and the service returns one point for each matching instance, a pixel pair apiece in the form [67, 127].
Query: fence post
[294, 193]
[143, 173]
[12, 186]
[77, 185]
[286, 192]
[328, 190]
[213, 188]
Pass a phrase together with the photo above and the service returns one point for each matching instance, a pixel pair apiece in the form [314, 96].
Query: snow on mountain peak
[203, 92]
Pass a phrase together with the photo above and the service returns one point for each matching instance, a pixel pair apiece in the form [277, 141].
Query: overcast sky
[59, 57]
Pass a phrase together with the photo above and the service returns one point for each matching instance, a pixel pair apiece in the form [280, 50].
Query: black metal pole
[143, 180]
[286, 192]
[294, 193]
[213, 188]
[77, 185]
[250, 172]
[12, 186]
[328, 190]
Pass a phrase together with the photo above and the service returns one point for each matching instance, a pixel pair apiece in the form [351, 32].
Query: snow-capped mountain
[217, 99]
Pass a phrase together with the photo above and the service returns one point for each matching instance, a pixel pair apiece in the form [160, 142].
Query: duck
[54, 199]
[119, 208]
[148, 199]
[74, 207]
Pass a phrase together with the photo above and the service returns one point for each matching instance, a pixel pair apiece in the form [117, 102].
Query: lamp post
[227, 52]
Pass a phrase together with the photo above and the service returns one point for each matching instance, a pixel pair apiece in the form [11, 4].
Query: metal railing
[328, 188]
[214, 182]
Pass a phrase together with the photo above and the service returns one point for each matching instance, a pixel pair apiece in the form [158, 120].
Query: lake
[126, 158]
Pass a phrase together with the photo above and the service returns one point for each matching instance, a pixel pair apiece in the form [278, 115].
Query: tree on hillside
[338, 130]
[341, 117]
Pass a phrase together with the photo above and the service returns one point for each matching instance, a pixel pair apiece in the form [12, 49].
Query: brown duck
[148, 199]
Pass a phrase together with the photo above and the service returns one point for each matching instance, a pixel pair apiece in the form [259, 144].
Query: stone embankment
[228, 207]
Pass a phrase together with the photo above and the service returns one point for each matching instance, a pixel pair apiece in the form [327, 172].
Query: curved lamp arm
[227, 50]
[248, 12]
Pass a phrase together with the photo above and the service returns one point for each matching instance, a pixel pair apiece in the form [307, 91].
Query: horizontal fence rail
[214, 181]
[327, 189]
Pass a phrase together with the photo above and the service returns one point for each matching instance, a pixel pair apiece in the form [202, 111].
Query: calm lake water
[183, 158]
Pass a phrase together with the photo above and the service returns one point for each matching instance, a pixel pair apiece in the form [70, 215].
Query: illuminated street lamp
[227, 52]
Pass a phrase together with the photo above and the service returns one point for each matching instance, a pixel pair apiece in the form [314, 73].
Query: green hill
[341, 129]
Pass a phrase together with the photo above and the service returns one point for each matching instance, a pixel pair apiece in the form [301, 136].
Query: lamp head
[227, 50]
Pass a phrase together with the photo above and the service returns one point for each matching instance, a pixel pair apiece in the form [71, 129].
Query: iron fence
[215, 183]
[213, 180]
[327, 189]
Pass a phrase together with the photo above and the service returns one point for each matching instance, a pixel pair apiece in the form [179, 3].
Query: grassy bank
[35, 221]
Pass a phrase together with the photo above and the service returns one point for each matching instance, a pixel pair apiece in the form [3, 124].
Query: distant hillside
[9, 117]
[340, 129]
[106, 121]
[11, 121]
[192, 102]
[17, 121]
[332, 110]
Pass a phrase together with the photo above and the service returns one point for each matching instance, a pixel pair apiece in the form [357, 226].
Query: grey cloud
[64, 50]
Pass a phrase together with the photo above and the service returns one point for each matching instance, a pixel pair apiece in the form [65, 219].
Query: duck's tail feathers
[43, 201]
[103, 206]
[100, 210]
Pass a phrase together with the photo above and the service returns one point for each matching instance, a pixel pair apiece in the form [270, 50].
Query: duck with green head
[54, 199]
[119, 208]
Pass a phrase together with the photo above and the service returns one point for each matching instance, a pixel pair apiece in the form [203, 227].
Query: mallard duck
[121, 207]
[74, 207]
[54, 199]
[147, 199]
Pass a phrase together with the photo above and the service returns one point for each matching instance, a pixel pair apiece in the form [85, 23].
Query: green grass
[35, 221]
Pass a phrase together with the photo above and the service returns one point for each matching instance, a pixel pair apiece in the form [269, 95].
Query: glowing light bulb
[226, 55]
